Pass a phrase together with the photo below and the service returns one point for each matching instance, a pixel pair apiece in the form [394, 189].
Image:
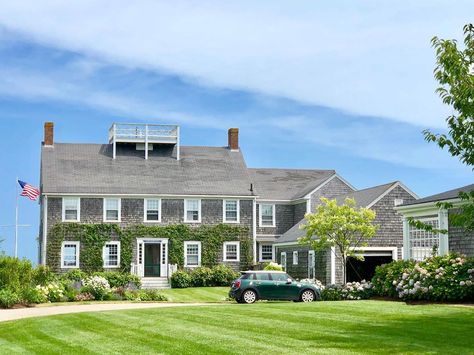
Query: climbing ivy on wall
[94, 236]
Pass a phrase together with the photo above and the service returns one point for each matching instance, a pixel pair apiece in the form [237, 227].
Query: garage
[358, 270]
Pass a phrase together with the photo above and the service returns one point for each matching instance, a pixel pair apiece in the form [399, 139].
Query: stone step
[155, 283]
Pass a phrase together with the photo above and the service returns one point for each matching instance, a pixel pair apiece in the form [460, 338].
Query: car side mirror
[288, 281]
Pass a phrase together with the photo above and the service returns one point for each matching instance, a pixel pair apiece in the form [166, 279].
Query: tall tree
[344, 227]
[454, 72]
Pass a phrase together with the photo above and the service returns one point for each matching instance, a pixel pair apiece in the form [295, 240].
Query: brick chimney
[49, 134]
[233, 138]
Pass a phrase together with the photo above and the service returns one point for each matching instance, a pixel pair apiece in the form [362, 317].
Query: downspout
[254, 229]
[45, 229]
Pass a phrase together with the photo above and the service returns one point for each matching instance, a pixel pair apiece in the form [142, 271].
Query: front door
[152, 260]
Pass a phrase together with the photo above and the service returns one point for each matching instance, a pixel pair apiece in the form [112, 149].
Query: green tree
[344, 227]
[454, 72]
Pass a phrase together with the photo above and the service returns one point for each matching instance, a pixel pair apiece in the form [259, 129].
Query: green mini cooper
[271, 285]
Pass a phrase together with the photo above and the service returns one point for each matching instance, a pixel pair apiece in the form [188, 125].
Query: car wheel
[249, 296]
[307, 296]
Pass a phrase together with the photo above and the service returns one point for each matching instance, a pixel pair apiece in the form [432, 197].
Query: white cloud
[368, 58]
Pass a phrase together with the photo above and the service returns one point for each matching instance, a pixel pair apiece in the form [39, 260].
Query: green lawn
[196, 294]
[268, 327]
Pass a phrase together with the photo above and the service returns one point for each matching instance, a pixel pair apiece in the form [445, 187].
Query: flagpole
[16, 219]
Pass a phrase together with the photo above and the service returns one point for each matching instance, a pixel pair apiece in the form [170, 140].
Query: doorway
[152, 260]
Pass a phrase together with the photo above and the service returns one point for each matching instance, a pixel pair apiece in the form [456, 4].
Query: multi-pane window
[231, 211]
[266, 252]
[231, 251]
[422, 243]
[71, 209]
[111, 254]
[152, 210]
[283, 260]
[112, 209]
[192, 254]
[192, 211]
[70, 255]
[267, 215]
[295, 257]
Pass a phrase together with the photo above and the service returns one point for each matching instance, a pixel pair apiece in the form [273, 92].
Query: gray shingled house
[418, 244]
[143, 176]
[387, 245]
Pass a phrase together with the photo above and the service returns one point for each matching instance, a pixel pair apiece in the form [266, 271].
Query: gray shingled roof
[287, 184]
[363, 199]
[89, 168]
[447, 195]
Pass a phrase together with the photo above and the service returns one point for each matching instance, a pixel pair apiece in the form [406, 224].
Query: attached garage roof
[447, 195]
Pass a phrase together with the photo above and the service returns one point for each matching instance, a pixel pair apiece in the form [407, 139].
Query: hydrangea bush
[315, 282]
[439, 278]
[349, 291]
[53, 292]
[98, 286]
[273, 267]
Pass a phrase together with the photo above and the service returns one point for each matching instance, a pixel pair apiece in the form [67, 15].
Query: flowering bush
[98, 286]
[315, 282]
[439, 278]
[85, 296]
[53, 291]
[273, 266]
[349, 291]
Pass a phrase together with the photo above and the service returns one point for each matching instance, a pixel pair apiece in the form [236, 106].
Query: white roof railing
[143, 133]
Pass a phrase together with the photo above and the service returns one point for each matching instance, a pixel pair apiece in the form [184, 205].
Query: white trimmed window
[112, 207]
[231, 211]
[266, 252]
[267, 215]
[70, 255]
[231, 251]
[111, 254]
[192, 211]
[295, 257]
[192, 254]
[71, 209]
[152, 210]
[422, 243]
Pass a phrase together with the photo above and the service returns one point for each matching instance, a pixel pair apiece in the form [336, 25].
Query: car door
[286, 290]
[264, 285]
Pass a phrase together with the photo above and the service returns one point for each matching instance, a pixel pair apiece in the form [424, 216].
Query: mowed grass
[268, 327]
[196, 294]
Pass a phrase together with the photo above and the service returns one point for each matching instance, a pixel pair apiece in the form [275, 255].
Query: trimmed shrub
[180, 279]
[201, 277]
[439, 278]
[271, 266]
[74, 275]
[42, 275]
[32, 295]
[8, 298]
[118, 279]
[222, 275]
[97, 286]
[15, 274]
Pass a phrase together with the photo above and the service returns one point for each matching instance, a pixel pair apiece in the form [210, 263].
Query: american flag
[29, 191]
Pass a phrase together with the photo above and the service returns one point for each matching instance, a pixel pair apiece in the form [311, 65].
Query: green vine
[94, 236]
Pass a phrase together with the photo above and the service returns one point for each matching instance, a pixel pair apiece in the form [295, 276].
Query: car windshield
[280, 276]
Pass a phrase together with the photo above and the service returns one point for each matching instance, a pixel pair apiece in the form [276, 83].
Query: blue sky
[339, 85]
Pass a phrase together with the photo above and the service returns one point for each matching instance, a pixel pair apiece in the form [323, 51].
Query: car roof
[263, 271]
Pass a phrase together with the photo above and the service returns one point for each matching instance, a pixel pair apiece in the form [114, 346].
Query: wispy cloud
[365, 58]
